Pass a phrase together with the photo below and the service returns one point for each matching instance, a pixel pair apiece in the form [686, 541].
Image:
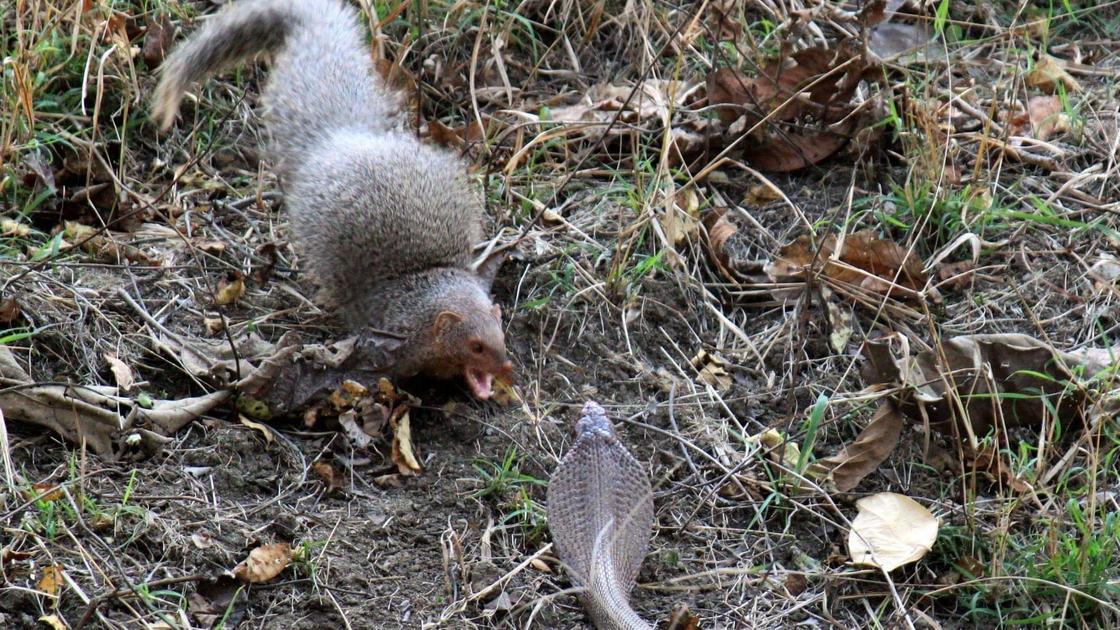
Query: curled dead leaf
[122, 374]
[1048, 73]
[713, 370]
[864, 454]
[865, 261]
[999, 380]
[230, 288]
[403, 452]
[264, 563]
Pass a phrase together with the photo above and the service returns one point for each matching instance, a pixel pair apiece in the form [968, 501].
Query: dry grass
[612, 297]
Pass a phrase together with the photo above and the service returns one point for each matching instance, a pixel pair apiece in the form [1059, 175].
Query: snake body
[600, 511]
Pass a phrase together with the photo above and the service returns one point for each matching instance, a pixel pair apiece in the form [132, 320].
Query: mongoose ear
[496, 311]
[444, 321]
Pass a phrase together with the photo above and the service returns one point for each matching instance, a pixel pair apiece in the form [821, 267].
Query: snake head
[593, 420]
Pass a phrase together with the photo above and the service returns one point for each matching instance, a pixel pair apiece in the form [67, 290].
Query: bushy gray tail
[322, 75]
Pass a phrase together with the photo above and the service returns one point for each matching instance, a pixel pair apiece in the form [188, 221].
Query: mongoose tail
[317, 43]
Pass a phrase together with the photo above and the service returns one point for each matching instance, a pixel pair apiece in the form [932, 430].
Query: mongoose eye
[477, 347]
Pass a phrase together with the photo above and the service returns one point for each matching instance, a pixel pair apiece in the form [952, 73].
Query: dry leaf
[1048, 73]
[265, 431]
[13, 229]
[349, 393]
[332, 476]
[681, 222]
[890, 530]
[1000, 380]
[51, 580]
[157, 40]
[44, 491]
[869, 262]
[712, 370]
[725, 20]
[55, 622]
[839, 320]
[762, 194]
[264, 563]
[402, 453]
[870, 448]
[358, 437]
[230, 289]
[10, 310]
[122, 374]
[807, 107]
[1045, 116]
[786, 454]
[215, 248]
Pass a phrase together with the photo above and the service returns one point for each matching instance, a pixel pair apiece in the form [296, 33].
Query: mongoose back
[384, 223]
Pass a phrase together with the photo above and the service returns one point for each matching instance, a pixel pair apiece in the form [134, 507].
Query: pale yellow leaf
[265, 431]
[122, 374]
[403, 453]
[890, 530]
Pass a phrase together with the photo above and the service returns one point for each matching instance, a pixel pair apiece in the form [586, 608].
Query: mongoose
[384, 223]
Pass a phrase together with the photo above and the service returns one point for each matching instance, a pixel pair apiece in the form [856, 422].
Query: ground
[618, 291]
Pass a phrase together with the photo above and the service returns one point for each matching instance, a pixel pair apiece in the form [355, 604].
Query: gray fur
[384, 224]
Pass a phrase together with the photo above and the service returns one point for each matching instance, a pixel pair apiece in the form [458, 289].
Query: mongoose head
[473, 345]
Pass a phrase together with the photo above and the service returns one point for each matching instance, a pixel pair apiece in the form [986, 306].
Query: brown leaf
[870, 448]
[785, 152]
[158, 39]
[51, 580]
[1047, 116]
[230, 289]
[10, 311]
[332, 476]
[956, 275]
[994, 464]
[712, 370]
[999, 380]
[865, 260]
[801, 87]
[725, 20]
[1048, 73]
[458, 137]
[264, 563]
[45, 491]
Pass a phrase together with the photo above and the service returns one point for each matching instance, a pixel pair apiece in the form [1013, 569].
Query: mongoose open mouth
[479, 381]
